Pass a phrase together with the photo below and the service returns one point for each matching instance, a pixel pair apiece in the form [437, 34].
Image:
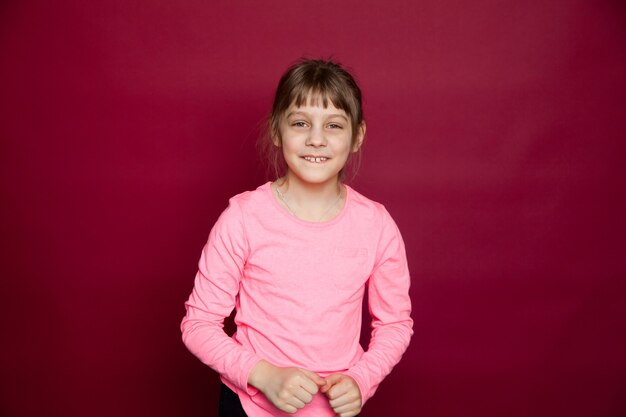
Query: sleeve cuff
[365, 394]
[249, 389]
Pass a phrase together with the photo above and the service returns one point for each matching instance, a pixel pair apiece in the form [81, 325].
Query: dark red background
[496, 139]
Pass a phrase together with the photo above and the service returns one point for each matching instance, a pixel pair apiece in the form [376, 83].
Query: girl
[293, 258]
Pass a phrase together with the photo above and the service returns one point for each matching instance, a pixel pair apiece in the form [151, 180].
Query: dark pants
[230, 406]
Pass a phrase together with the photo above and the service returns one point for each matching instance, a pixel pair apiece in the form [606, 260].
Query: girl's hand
[289, 389]
[344, 395]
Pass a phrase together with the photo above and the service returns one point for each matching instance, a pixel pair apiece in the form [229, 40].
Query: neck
[308, 193]
[313, 202]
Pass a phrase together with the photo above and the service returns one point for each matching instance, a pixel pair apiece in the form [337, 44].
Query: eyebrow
[295, 113]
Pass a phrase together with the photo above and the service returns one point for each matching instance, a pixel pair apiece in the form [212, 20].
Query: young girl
[293, 257]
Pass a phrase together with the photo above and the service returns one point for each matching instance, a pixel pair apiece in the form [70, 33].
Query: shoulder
[233, 222]
[243, 204]
[373, 216]
[367, 208]
[251, 200]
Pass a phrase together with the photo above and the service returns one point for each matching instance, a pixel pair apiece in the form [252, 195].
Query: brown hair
[307, 79]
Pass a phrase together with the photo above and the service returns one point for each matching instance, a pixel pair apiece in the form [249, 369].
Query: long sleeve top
[297, 288]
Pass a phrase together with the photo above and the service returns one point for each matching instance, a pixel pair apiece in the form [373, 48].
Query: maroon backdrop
[496, 139]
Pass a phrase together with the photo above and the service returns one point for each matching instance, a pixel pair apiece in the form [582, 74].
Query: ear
[276, 138]
[360, 137]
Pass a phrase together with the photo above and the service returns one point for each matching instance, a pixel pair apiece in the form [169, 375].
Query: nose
[316, 137]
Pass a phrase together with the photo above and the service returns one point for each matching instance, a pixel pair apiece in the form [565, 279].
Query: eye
[298, 123]
[335, 126]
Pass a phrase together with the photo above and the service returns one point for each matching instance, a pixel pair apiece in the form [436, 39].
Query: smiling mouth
[316, 159]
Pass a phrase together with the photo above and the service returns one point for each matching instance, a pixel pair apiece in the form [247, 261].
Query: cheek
[344, 145]
[289, 145]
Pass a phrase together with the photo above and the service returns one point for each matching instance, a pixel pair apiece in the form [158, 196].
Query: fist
[343, 394]
[289, 389]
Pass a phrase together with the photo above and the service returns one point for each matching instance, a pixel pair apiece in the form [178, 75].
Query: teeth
[315, 159]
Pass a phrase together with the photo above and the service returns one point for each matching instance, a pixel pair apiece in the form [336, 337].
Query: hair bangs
[322, 93]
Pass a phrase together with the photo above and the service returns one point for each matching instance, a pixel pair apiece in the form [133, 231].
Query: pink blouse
[298, 287]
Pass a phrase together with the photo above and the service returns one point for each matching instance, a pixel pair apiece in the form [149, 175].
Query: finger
[318, 380]
[308, 380]
[334, 378]
[288, 408]
[346, 399]
[326, 387]
[331, 381]
[309, 386]
[354, 406]
[294, 402]
[338, 389]
[303, 395]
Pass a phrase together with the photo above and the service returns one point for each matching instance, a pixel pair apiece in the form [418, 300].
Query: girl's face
[316, 142]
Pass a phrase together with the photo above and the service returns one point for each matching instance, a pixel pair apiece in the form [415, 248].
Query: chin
[317, 180]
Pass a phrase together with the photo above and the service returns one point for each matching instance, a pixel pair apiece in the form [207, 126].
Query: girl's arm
[390, 308]
[213, 298]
